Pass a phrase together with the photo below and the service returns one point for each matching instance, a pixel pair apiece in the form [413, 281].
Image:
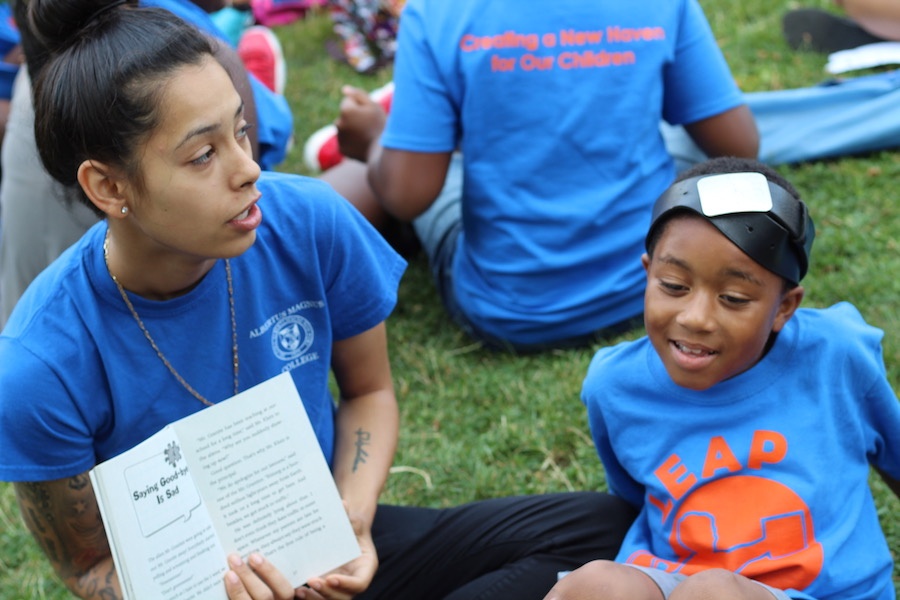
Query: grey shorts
[667, 581]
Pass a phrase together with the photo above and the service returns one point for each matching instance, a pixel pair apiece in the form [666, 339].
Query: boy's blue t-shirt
[556, 107]
[765, 474]
[81, 384]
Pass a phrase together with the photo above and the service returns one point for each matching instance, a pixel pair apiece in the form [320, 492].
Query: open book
[242, 476]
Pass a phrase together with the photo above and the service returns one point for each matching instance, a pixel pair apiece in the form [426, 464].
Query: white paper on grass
[863, 57]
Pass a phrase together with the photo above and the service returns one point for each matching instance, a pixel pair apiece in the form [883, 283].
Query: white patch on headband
[734, 193]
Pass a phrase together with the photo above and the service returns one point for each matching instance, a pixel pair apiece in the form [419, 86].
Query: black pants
[505, 548]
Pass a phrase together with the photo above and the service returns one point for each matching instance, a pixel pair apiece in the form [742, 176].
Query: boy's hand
[360, 123]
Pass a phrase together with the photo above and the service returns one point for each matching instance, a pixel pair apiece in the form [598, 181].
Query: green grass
[478, 424]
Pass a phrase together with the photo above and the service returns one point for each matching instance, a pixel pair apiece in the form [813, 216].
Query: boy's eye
[671, 287]
[735, 300]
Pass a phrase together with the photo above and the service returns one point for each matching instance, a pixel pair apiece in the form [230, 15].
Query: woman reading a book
[205, 278]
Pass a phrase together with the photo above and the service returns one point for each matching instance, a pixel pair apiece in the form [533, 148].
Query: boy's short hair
[750, 204]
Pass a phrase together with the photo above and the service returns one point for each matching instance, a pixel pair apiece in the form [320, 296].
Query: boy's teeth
[696, 352]
[243, 215]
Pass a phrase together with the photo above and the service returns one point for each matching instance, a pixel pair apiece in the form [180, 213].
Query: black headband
[760, 217]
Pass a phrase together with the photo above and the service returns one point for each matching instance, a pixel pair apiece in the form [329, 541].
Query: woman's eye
[242, 132]
[203, 158]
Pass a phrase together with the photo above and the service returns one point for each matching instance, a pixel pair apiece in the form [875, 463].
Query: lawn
[478, 424]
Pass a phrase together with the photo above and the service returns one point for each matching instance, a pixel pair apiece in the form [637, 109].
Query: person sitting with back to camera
[741, 426]
[555, 111]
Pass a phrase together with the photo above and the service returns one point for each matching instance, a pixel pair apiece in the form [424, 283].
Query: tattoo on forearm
[102, 585]
[363, 439]
[79, 482]
[64, 519]
[34, 498]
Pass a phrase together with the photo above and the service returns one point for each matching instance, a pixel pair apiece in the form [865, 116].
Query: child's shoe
[321, 151]
[261, 54]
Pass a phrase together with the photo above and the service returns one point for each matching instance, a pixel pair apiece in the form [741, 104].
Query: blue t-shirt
[556, 107]
[766, 473]
[81, 384]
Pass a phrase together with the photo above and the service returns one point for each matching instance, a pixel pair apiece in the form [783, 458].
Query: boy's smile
[710, 309]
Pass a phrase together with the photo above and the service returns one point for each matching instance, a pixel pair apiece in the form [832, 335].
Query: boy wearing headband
[742, 427]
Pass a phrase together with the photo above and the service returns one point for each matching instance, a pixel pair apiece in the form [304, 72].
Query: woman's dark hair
[98, 96]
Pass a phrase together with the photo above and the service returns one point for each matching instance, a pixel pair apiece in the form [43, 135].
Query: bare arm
[64, 518]
[367, 420]
[405, 183]
[731, 133]
[878, 17]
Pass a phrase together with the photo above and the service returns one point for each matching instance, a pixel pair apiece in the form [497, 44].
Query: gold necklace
[162, 357]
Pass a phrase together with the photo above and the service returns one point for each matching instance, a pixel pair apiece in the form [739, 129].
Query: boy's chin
[695, 382]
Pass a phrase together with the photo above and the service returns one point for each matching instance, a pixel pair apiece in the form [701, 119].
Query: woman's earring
[124, 210]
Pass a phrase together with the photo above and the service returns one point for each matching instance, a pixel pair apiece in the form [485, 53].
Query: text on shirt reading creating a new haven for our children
[569, 48]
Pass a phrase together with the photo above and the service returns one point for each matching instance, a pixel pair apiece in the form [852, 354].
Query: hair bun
[59, 23]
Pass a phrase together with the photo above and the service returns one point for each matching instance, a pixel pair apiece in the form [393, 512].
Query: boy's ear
[790, 302]
[645, 261]
[103, 187]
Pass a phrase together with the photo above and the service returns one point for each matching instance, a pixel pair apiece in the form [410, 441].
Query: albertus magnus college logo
[292, 337]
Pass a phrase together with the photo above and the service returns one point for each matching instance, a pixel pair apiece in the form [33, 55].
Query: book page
[268, 488]
[244, 475]
[164, 544]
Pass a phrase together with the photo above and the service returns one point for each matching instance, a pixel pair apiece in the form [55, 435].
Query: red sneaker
[321, 151]
[261, 54]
